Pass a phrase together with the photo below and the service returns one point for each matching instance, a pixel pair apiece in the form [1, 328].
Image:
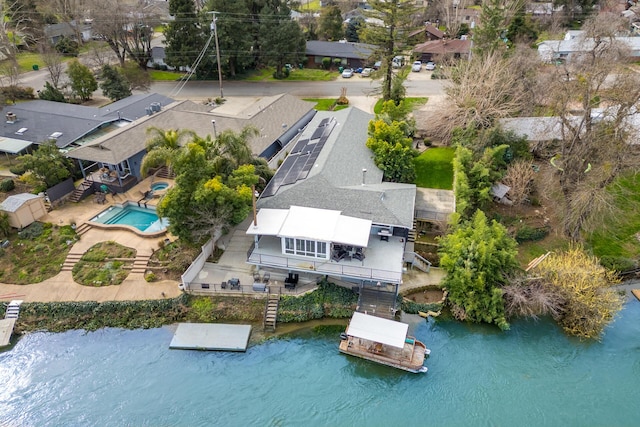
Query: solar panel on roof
[324, 121]
[299, 146]
[317, 133]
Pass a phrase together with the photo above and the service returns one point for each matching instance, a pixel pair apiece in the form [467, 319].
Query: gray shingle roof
[43, 118]
[339, 49]
[13, 203]
[122, 144]
[335, 181]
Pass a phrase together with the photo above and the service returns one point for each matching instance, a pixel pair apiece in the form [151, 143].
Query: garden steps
[70, 261]
[79, 193]
[271, 311]
[83, 228]
[140, 263]
[165, 173]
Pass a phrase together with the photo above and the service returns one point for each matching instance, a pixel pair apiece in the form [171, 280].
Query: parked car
[347, 73]
[366, 72]
[416, 67]
[430, 66]
[377, 65]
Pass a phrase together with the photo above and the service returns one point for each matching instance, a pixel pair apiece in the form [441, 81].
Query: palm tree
[231, 149]
[162, 147]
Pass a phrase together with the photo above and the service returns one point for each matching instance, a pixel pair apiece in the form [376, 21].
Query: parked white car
[347, 73]
[416, 67]
[366, 72]
[430, 66]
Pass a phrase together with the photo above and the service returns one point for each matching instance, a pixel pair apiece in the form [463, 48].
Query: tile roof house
[278, 119]
[327, 210]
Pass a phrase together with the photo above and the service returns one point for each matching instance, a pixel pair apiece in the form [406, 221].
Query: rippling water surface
[531, 375]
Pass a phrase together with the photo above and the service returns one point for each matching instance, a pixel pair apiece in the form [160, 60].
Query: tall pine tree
[184, 35]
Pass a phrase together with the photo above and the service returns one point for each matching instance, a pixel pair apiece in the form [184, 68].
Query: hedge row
[329, 300]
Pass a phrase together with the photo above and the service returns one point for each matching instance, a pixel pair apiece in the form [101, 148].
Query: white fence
[197, 264]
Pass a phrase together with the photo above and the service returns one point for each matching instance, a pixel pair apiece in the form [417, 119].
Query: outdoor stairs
[79, 192]
[165, 173]
[413, 233]
[13, 310]
[83, 228]
[140, 263]
[417, 261]
[70, 261]
[271, 311]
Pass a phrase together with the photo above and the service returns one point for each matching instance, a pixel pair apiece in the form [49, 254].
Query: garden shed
[23, 209]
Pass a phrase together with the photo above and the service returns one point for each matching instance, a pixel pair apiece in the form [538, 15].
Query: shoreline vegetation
[329, 301]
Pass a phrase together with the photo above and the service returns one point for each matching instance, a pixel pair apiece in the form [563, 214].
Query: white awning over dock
[211, 336]
[377, 329]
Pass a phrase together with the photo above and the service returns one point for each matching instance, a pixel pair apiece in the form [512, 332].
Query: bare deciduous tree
[519, 177]
[55, 66]
[484, 89]
[596, 98]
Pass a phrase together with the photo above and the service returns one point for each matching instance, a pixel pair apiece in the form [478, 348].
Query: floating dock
[211, 336]
[636, 292]
[6, 329]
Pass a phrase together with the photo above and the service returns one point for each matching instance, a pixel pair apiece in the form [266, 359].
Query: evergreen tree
[478, 256]
[184, 34]
[491, 35]
[114, 85]
[50, 93]
[281, 38]
[391, 37]
[234, 35]
[330, 27]
[353, 29]
[83, 83]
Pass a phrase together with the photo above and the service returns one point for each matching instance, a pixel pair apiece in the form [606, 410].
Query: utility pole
[215, 35]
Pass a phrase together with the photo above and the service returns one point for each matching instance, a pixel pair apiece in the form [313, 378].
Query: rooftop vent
[155, 107]
[149, 111]
[55, 135]
[21, 131]
[11, 118]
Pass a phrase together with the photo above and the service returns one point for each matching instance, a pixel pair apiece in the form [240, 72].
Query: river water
[530, 375]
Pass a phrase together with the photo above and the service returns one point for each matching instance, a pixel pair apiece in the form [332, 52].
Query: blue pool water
[144, 219]
[157, 186]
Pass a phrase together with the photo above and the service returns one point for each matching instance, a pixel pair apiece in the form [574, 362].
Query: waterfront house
[327, 210]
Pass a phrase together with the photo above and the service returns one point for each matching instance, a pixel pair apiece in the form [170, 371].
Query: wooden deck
[409, 358]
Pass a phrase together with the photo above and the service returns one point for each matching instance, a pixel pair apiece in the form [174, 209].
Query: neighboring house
[55, 32]
[327, 211]
[575, 43]
[428, 33]
[445, 48]
[278, 119]
[350, 54]
[69, 125]
[23, 209]
[157, 59]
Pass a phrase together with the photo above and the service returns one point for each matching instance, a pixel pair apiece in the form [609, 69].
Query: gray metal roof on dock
[211, 336]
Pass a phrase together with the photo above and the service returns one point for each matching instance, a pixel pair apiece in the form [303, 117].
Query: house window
[288, 245]
[306, 248]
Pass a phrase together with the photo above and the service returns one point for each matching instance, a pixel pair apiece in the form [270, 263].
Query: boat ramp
[211, 336]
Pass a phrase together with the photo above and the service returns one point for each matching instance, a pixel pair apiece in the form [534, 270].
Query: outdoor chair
[223, 285]
[266, 277]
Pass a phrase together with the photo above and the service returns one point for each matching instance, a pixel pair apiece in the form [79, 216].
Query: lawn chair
[265, 278]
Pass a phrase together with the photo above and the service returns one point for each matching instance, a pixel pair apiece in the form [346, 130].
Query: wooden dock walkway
[9, 322]
[636, 292]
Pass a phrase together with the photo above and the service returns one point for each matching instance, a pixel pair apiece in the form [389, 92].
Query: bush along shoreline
[328, 301]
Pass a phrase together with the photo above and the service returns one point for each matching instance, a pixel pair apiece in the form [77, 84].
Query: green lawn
[306, 74]
[325, 104]
[413, 102]
[617, 238]
[434, 168]
[158, 75]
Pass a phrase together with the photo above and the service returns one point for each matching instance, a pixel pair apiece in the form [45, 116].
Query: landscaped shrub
[326, 63]
[18, 169]
[528, 233]
[150, 277]
[7, 185]
[337, 62]
[32, 231]
[618, 263]
[329, 300]
[67, 47]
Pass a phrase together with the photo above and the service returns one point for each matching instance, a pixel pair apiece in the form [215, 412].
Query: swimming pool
[143, 218]
[157, 186]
